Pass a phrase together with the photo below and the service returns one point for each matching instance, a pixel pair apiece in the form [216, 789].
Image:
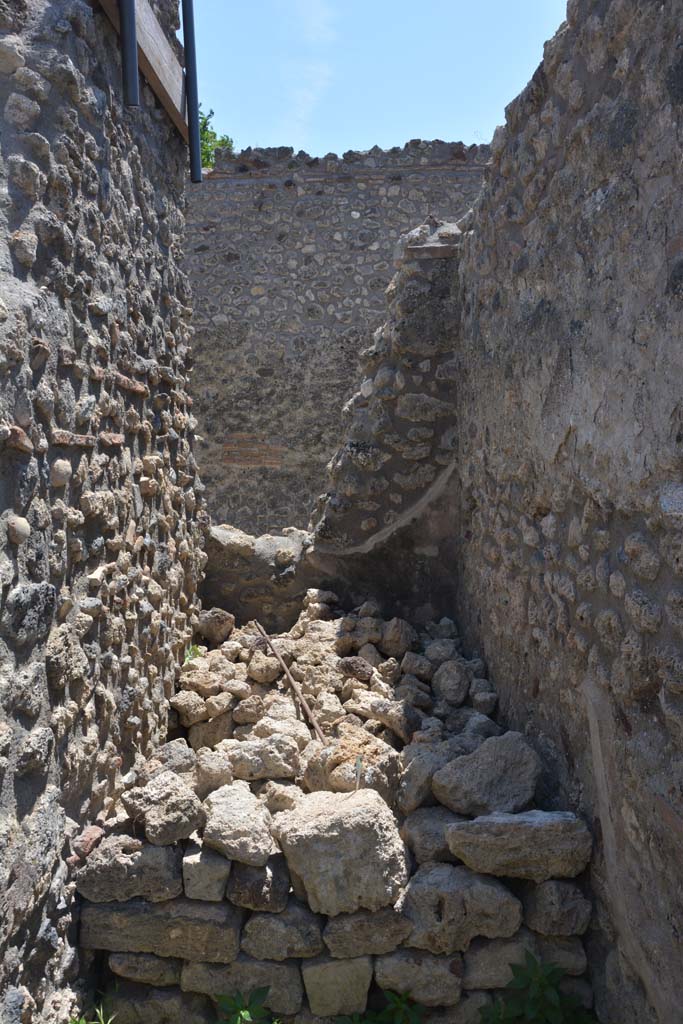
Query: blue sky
[332, 75]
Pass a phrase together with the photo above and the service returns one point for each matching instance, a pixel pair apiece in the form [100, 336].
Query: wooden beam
[157, 61]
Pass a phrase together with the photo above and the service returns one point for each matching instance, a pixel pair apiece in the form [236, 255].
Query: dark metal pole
[129, 53]
[191, 91]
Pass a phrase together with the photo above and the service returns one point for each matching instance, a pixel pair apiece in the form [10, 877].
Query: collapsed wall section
[555, 530]
[99, 545]
[289, 257]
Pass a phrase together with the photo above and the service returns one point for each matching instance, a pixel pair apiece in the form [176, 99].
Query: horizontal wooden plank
[156, 60]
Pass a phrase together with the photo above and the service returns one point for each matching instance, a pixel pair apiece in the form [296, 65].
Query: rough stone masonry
[289, 256]
[521, 407]
[99, 544]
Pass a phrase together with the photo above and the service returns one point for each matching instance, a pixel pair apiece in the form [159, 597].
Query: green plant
[99, 1018]
[241, 1009]
[191, 652]
[533, 994]
[210, 140]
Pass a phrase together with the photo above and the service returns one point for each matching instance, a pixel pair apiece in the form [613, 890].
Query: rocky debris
[293, 932]
[298, 837]
[122, 867]
[345, 849]
[428, 979]
[167, 807]
[366, 932]
[243, 975]
[537, 845]
[337, 986]
[501, 775]
[448, 906]
[183, 928]
[238, 824]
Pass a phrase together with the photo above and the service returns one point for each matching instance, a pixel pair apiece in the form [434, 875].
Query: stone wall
[386, 842]
[289, 257]
[547, 503]
[99, 556]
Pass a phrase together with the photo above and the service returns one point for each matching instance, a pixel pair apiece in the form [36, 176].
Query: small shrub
[399, 1009]
[533, 994]
[241, 1009]
[191, 652]
[99, 1018]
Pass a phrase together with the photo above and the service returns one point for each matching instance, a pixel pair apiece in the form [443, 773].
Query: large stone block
[141, 1004]
[146, 968]
[487, 964]
[346, 850]
[121, 868]
[271, 757]
[366, 932]
[337, 986]
[238, 824]
[295, 932]
[428, 979]
[448, 906]
[501, 775]
[188, 929]
[537, 845]
[283, 981]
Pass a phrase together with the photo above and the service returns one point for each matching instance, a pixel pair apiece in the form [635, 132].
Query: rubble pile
[402, 853]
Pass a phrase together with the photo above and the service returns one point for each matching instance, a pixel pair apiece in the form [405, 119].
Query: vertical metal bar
[129, 53]
[191, 91]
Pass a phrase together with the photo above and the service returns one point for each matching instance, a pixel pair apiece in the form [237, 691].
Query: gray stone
[271, 757]
[260, 888]
[429, 980]
[424, 831]
[187, 929]
[366, 932]
[420, 762]
[146, 968]
[167, 807]
[212, 771]
[451, 682]
[283, 981]
[211, 733]
[556, 908]
[238, 825]
[121, 868]
[295, 932]
[205, 873]
[398, 636]
[448, 906]
[337, 986]
[536, 845]
[468, 1010]
[501, 775]
[215, 625]
[345, 849]
[487, 964]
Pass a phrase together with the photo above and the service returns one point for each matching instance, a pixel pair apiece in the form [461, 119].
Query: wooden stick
[293, 683]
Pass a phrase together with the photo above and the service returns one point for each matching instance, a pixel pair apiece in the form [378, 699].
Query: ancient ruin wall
[554, 529]
[289, 258]
[99, 554]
